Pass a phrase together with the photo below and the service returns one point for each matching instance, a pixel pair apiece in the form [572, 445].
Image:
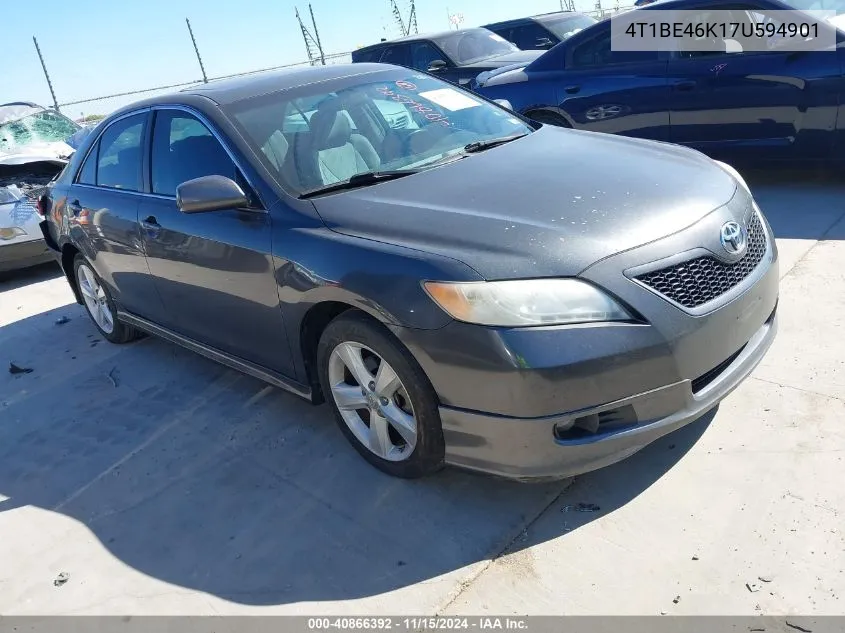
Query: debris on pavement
[676, 600]
[16, 369]
[61, 579]
[111, 376]
[62, 320]
[764, 578]
[695, 556]
[797, 628]
[753, 587]
[582, 507]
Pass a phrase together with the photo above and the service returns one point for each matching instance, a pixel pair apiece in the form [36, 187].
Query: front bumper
[552, 402]
[19, 255]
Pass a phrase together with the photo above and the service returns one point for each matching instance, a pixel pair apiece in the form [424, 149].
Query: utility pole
[312, 42]
[46, 74]
[196, 50]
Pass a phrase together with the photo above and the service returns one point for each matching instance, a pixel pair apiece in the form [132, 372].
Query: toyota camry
[452, 293]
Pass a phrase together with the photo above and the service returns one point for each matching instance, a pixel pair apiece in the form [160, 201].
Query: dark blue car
[776, 104]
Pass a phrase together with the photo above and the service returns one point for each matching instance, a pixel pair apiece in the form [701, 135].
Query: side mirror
[544, 42]
[210, 193]
[437, 65]
[504, 103]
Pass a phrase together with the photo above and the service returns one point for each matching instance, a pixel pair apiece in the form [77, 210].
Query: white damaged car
[35, 144]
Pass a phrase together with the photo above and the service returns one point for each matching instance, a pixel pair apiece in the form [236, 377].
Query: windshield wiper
[360, 180]
[480, 146]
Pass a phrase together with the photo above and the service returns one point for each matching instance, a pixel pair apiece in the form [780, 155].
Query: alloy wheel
[95, 298]
[372, 401]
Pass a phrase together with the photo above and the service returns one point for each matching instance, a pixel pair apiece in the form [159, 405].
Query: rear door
[103, 214]
[214, 271]
[619, 92]
[775, 104]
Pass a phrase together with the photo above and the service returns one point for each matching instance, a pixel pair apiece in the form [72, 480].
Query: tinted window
[530, 36]
[397, 55]
[88, 173]
[472, 45]
[597, 52]
[564, 28]
[184, 149]
[119, 158]
[423, 53]
[366, 56]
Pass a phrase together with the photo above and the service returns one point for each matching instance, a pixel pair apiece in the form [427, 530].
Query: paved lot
[160, 482]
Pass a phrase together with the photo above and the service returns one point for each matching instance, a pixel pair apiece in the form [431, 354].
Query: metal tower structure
[400, 22]
[312, 42]
[567, 5]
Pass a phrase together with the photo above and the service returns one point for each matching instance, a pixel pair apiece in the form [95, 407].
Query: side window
[119, 156]
[530, 36]
[88, 173]
[366, 56]
[184, 149]
[397, 55]
[423, 53]
[598, 52]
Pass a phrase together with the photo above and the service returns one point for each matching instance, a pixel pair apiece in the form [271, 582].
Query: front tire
[99, 304]
[382, 400]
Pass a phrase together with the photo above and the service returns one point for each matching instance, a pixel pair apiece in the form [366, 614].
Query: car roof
[417, 37]
[229, 90]
[540, 17]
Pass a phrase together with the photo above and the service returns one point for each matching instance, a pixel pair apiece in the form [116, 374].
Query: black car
[542, 32]
[456, 56]
[450, 293]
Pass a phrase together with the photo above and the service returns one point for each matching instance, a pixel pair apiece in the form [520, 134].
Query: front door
[769, 104]
[214, 270]
[615, 91]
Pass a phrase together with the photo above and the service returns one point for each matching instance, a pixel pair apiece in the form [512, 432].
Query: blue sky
[100, 47]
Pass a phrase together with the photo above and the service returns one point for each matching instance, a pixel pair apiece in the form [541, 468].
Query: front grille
[697, 281]
[705, 379]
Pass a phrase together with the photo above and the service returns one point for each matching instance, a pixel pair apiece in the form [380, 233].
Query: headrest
[330, 128]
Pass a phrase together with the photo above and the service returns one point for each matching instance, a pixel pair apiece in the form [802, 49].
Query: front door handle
[683, 86]
[571, 90]
[150, 223]
[74, 207]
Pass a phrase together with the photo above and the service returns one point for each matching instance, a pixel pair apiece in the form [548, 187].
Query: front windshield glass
[565, 28]
[473, 45]
[41, 127]
[388, 121]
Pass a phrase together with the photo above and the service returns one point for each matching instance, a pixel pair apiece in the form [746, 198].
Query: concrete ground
[161, 483]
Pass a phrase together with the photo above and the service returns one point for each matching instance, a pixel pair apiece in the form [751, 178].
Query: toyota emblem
[734, 238]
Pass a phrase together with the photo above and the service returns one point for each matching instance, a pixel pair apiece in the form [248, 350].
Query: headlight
[11, 233]
[733, 172]
[525, 302]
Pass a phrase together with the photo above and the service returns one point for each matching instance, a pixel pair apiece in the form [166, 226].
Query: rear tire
[549, 118]
[390, 413]
[99, 304]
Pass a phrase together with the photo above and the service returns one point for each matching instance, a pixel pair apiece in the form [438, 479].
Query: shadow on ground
[208, 479]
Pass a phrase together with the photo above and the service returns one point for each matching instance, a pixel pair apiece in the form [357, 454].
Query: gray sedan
[461, 285]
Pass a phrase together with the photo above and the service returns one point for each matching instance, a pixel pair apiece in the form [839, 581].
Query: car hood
[508, 59]
[549, 204]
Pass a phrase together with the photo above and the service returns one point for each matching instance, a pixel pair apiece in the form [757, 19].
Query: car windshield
[472, 45]
[40, 126]
[565, 28]
[313, 137]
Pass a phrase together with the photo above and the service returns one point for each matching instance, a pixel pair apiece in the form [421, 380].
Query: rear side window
[183, 148]
[120, 151]
[88, 173]
[371, 55]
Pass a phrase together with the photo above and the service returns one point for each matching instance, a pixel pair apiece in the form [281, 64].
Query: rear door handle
[75, 208]
[571, 90]
[684, 85]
